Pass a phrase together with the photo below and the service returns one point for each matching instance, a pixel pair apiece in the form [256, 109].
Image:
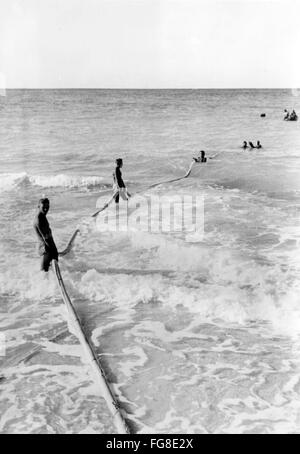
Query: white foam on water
[247, 295]
[66, 181]
[52, 399]
[207, 343]
[10, 181]
[24, 280]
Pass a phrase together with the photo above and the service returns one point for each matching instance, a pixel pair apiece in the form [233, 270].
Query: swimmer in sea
[201, 158]
[259, 145]
[287, 114]
[251, 145]
[47, 248]
[245, 146]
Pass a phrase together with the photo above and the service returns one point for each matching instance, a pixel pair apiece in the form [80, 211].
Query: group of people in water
[290, 116]
[251, 146]
[46, 246]
[202, 156]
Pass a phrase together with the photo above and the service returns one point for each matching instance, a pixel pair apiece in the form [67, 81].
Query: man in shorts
[47, 248]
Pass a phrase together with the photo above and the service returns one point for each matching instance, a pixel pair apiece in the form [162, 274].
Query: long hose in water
[186, 175]
[99, 373]
[106, 205]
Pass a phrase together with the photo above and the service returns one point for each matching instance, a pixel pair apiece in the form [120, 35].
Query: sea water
[197, 334]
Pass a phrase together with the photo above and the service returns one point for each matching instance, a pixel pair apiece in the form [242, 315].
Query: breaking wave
[9, 181]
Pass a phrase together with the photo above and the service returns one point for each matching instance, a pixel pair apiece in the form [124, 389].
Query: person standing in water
[119, 185]
[119, 188]
[245, 145]
[47, 248]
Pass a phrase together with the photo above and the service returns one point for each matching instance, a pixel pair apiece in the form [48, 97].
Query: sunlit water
[197, 335]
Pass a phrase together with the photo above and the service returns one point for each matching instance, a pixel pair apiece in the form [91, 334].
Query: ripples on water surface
[197, 336]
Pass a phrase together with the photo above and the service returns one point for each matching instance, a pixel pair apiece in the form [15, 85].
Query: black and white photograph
[149, 219]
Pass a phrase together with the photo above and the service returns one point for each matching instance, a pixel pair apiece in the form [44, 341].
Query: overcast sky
[149, 43]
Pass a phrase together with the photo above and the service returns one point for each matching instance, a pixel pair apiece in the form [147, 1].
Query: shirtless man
[47, 247]
[119, 185]
[119, 189]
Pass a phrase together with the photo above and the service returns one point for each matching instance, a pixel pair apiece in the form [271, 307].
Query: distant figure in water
[251, 145]
[47, 247]
[290, 117]
[263, 115]
[245, 145]
[119, 185]
[201, 158]
[258, 144]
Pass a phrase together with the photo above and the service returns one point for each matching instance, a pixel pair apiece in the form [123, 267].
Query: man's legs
[45, 262]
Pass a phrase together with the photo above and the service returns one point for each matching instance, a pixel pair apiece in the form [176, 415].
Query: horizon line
[152, 88]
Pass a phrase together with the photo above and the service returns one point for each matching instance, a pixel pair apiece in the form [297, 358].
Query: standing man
[119, 185]
[119, 189]
[47, 247]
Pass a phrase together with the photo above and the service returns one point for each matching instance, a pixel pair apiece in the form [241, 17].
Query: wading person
[119, 188]
[47, 247]
[119, 185]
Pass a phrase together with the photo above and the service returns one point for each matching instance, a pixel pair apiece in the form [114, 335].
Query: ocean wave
[207, 301]
[9, 181]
